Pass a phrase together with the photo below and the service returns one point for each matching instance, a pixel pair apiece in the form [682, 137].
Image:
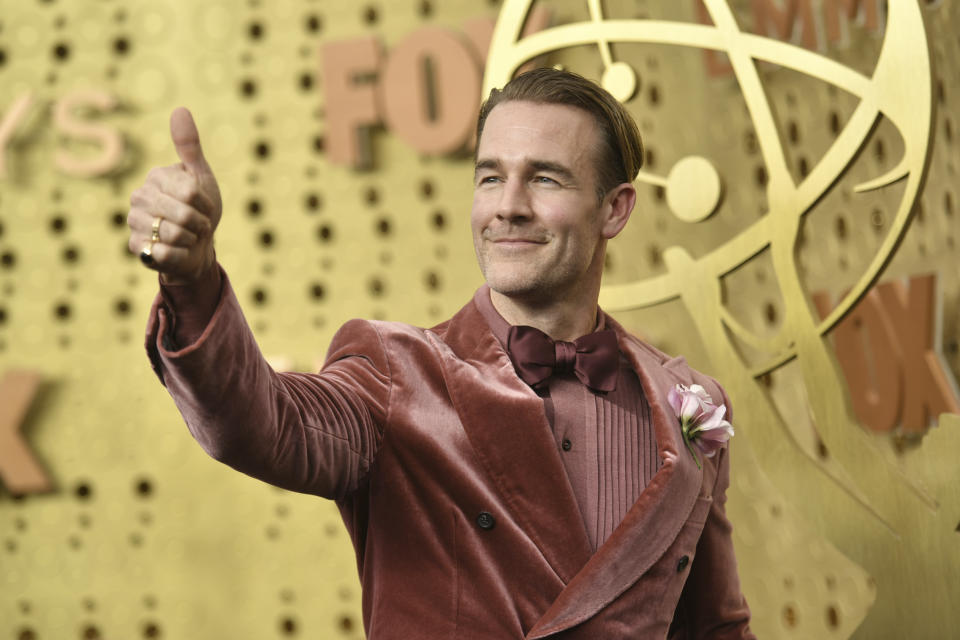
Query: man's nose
[514, 201]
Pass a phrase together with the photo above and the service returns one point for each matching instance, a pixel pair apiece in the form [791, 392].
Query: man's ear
[617, 206]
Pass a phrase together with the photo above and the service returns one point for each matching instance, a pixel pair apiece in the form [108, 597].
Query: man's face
[538, 229]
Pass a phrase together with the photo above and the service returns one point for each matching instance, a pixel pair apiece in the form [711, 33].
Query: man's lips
[515, 240]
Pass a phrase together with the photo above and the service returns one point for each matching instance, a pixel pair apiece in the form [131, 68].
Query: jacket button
[566, 444]
[684, 561]
[485, 521]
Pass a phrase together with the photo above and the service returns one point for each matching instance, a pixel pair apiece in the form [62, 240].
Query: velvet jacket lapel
[506, 425]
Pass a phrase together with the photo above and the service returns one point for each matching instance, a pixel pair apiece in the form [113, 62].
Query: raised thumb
[186, 140]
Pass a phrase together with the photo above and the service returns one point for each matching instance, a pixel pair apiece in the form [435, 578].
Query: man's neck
[561, 319]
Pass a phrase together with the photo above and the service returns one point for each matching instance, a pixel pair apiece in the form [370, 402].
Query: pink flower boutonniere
[701, 421]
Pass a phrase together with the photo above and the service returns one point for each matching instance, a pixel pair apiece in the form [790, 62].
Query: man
[487, 494]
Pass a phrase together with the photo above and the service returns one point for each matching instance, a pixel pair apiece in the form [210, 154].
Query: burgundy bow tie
[594, 358]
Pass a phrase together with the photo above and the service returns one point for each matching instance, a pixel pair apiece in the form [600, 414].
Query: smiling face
[538, 228]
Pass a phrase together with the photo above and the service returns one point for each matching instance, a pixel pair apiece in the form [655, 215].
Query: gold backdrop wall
[841, 531]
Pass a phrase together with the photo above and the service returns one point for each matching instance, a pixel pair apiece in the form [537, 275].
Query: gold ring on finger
[155, 229]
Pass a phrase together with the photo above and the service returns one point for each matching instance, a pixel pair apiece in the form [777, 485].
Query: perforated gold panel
[142, 535]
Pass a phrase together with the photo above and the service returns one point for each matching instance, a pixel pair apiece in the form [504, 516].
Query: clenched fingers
[183, 186]
[170, 230]
[166, 258]
[154, 202]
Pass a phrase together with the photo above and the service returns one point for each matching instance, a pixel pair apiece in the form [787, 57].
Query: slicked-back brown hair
[620, 150]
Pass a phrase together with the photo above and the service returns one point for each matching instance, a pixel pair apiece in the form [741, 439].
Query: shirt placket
[575, 430]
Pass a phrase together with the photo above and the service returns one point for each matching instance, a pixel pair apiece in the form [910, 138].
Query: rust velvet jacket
[450, 483]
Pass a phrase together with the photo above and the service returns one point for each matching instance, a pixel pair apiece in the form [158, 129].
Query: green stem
[690, 446]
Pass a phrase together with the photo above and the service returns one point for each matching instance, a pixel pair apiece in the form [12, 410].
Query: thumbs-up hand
[173, 215]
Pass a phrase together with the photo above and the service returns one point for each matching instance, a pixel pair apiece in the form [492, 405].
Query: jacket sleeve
[313, 433]
[712, 604]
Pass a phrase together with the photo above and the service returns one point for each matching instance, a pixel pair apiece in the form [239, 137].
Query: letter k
[19, 469]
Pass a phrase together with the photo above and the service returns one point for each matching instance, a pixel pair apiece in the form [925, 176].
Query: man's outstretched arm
[305, 432]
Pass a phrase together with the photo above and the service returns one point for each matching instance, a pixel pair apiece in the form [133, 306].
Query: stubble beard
[532, 282]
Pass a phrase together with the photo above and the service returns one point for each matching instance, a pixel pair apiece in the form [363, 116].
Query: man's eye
[487, 179]
[545, 180]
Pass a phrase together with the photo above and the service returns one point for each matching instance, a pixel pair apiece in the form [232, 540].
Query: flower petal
[690, 408]
[675, 398]
[700, 392]
[709, 441]
[712, 419]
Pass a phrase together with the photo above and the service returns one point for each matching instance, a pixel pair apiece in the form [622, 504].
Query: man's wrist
[192, 303]
[204, 273]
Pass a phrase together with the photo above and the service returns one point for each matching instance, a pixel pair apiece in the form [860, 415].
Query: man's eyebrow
[485, 163]
[552, 167]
